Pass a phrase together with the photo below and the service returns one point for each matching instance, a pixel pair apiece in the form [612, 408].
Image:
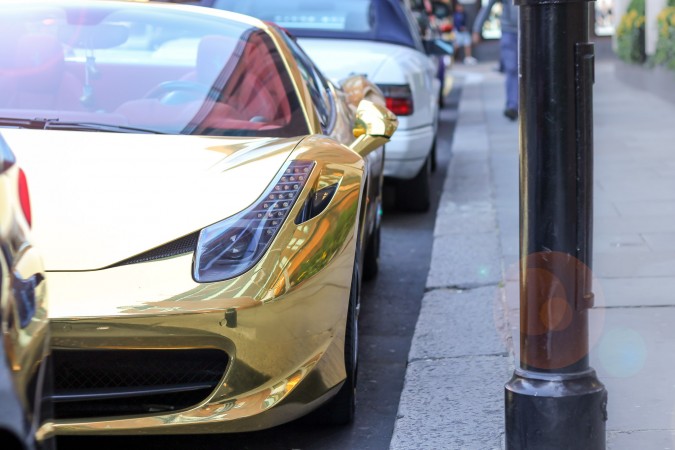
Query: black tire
[341, 408]
[371, 259]
[434, 163]
[441, 98]
[441, 78]
[415, 195]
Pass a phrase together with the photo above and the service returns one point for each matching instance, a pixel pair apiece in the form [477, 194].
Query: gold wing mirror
[373, 127]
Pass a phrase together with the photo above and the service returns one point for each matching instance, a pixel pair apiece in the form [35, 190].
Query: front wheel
[371, 259]
[415, 195]
[341, 408]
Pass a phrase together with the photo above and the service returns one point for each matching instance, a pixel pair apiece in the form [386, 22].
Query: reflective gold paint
[291, 309]
[282, 323]
[375, 119]
[169, 181]
[373, 127]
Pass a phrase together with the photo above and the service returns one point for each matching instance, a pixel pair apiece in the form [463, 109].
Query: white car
[378, 38]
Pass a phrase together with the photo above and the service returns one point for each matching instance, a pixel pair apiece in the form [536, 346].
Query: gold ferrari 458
[204, 210]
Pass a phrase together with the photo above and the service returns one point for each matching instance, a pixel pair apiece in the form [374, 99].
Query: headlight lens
[232, 246]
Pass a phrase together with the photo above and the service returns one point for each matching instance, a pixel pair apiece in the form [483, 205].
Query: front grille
[97, 383]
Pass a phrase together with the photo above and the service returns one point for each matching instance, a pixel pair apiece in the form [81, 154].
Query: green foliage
[630, 34]
[665, 46]
[638, 6]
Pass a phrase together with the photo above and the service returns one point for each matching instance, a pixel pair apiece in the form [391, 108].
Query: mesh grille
[86, 381]
[180, 246]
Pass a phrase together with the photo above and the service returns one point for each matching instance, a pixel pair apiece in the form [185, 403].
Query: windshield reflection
[140, 68]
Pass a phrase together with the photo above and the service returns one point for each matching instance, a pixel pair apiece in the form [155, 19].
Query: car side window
[318, 86]
[326, 97]
[413, 29]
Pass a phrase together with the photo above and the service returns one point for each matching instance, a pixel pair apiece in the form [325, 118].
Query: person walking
[508, 49]
[462, 35]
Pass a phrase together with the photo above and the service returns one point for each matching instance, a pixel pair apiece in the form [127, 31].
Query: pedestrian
[508, 49]
[462, 35]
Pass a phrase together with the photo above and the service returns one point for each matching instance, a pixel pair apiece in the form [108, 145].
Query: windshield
[344, 15]
[134, 66]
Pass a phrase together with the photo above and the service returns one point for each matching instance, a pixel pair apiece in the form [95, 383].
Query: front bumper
[281, 325]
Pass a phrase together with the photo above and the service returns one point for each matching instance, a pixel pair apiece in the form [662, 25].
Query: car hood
[339, 58]
[100, 198]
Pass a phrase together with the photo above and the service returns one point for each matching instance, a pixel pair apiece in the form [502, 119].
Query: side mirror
[438, 47]
[373, 127]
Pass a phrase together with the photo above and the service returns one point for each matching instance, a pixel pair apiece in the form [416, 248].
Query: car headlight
[232, 246]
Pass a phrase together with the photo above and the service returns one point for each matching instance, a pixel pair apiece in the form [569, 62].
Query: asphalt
[465, 343]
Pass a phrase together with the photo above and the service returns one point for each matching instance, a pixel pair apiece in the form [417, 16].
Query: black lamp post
[554, 400]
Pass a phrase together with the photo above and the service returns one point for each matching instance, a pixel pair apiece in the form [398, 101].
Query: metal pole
[554, 400]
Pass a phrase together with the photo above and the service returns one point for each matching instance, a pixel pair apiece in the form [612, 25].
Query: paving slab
[634, 264]
[457, 217]
[469, 171]
[645, 208]
[633, 357]
[641, 439]
[465, 261]
[636, 292]
[624, 224]
[474, 328]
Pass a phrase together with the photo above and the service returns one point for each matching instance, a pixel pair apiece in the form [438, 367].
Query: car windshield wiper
[56, 124]
[22, 123]
[94, 126]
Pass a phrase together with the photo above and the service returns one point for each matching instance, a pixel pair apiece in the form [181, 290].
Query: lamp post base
[555, 411]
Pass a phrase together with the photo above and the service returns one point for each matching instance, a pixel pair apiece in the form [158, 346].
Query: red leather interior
[253, 98]
[38, 77]
[255, 87]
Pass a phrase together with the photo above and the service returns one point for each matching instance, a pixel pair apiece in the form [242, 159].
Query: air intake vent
[99, 383]
[180, 246]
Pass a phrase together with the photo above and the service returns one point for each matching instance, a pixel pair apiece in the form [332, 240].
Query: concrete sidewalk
[466, 339]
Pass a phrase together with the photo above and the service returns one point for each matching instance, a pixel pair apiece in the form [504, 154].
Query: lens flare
[622, 352]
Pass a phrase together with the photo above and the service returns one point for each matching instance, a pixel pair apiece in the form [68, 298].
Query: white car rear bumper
[406, 152]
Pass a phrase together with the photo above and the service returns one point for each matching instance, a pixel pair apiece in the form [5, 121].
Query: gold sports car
[24, 330]
[204, 210]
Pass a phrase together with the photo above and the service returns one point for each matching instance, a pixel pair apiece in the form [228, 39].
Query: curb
[460, 355]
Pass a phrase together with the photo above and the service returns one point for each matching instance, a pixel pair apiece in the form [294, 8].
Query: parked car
[379, 38]
[205, 212]
[24, 335]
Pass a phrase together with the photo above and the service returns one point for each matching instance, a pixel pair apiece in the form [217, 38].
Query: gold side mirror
[373, 127]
